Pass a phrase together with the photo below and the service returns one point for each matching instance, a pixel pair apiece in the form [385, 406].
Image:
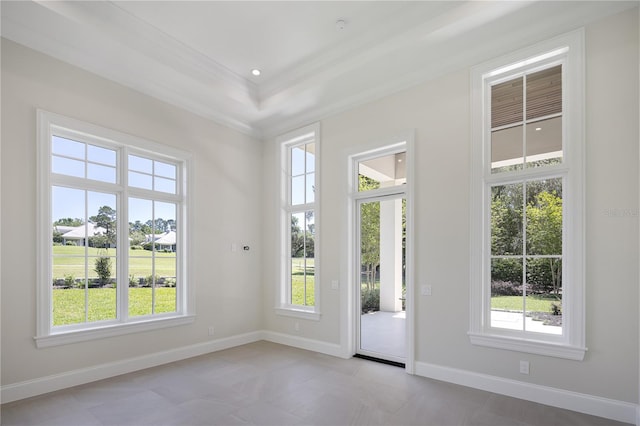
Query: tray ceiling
[199, 55]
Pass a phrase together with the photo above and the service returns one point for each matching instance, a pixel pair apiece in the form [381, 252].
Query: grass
[69, 303]
[298, 282]
[535, 303]
[69, 260]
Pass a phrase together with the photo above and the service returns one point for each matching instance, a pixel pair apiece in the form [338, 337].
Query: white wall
[227, 166]
[439, 113]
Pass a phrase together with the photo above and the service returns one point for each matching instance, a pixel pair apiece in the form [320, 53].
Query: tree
[302, 241]
[106, 219]
[67, 221]
[369, 232]
[544, 233]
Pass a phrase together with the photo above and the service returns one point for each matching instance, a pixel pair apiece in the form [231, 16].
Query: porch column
[391, 255]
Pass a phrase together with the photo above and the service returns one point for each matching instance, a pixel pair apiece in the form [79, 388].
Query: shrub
[148, 281]
[70, 243]
[69, 280]
[103, 269]
[505, 288]
[137, 247]
[556, 309]
[370, 300]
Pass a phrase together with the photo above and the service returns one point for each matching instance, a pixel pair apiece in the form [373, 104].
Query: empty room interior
[368, 212]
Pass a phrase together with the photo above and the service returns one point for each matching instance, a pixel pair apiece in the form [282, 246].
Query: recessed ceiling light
[538, 129]
[256, 72]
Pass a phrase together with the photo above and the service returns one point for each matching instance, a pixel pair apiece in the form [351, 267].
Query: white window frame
[569, 50]
[304, 135]
[49, 124]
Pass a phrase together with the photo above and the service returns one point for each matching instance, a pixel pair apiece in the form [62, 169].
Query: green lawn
[298, 282]
[69, 260]
[69, 303]
[535, 303]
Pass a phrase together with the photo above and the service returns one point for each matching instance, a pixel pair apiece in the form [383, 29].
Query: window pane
[101, 155]
[140, 220]
[101, 173]
[544, 142]
[165, 291]
[140, 284]
[544, 217]
[102, 288]
[139, 180]
[164, 185]
[507, 301]
[311, 157]
[297, 190]
[544, 302]
[506, 219]
[311, 187]
[384, 171]
[68, 148]
[164, 169]
[69, 304]
[507, 103]
[297, 160]
[102, 230]
[140, 164]
[544, 92]
[298, 259]
[310, 258]
[506, 149]
[66, 166]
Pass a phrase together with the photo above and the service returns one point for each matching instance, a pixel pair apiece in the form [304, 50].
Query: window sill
[290, 311]
[76, 336]
[537, 347]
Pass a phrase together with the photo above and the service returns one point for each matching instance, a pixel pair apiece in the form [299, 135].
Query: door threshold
[380, 360]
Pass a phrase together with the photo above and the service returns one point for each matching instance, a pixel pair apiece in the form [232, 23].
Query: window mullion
[122, 256]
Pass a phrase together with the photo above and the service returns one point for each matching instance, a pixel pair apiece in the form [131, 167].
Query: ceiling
[199, 55]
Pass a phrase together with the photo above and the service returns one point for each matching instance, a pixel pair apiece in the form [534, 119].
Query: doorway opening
[381, 257]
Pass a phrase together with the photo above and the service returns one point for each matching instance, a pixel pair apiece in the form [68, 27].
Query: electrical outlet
[335, 284]
[524, 367]
[425, 290]
[211, 330]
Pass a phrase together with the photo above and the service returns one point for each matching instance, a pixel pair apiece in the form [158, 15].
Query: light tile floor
[268, 384]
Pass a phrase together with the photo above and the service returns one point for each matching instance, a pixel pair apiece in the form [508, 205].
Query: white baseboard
[588, 404]
[29, 388]
[332, 349]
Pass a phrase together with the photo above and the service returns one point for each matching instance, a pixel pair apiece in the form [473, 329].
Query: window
[298, 295]
[527, 289]
[112, 233]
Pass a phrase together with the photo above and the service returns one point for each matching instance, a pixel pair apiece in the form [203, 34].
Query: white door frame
[349, 324]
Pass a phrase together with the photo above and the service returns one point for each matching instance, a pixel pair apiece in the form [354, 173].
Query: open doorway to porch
[381, 258]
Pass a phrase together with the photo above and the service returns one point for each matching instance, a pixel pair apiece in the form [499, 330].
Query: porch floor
[384, 333]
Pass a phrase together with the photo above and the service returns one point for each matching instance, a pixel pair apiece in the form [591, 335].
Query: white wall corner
[42, 385]
[326, 348]
[583, 403]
